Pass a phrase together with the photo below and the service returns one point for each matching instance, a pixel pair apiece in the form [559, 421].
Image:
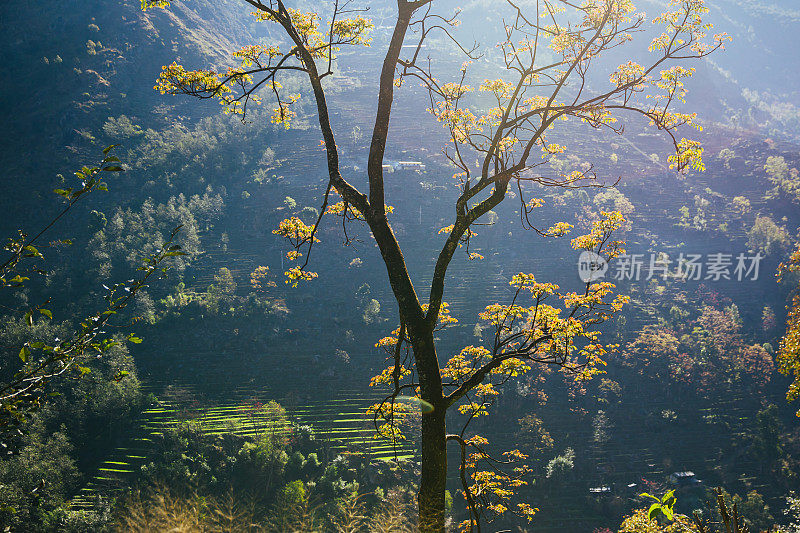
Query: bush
[560, 465]
[767, 237]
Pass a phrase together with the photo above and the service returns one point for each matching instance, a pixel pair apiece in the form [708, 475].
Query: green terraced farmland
[342, 422]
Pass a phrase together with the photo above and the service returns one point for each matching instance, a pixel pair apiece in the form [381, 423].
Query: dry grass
[394, 516]
[162, 510]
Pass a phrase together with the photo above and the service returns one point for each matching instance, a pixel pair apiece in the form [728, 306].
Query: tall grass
[166, 511]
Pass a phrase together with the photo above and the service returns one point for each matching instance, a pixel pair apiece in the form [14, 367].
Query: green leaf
[47, 313]
[134, 339]
[654, 511]
[84, 370]
[24, 354]
[109, 148]
[32, 251]
[669, 513]
[114, 168]
[29, 318]
[18, 279]
[107, 344]
[66, 193]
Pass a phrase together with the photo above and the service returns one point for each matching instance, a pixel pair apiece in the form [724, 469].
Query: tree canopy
[553, 72]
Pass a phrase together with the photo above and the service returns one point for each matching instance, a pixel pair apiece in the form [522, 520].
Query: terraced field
[339, 423]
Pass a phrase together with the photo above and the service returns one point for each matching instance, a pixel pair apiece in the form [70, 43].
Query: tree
[701, 349]
[533, 433]
[24, 382]
[789, 354]
[793, 512]
[549, 53]
[639, 522]
[767, 237]
[660, 517]
[754, 512]
[784, 179]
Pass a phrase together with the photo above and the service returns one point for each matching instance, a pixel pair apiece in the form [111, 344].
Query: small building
[410, 165]
[684, 478]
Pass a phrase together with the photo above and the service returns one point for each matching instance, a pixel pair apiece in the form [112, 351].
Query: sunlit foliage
[789, 354]
[700, 354]
[542, 328]
[491, 148]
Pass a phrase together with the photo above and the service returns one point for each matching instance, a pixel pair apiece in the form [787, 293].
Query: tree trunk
[434, 458]
[433, 482]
